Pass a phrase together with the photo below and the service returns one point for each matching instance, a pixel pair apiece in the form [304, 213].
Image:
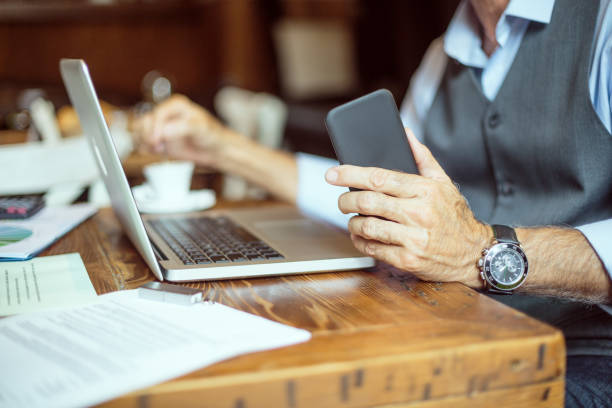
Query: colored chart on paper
[10, 235]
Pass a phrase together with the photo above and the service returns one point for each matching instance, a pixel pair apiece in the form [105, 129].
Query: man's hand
[183, 129]
[417, 223]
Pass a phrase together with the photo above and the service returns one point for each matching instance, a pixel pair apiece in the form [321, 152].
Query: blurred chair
[259, 116]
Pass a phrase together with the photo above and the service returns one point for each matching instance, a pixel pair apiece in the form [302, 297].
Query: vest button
[494, 120]
[506, 189]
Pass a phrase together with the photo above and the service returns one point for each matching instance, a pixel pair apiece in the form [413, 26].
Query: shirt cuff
[598, 235]
[315, 197]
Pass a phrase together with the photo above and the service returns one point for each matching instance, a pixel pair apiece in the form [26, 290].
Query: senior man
[513, 104]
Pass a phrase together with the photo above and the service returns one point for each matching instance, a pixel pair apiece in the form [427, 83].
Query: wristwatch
[503, 266]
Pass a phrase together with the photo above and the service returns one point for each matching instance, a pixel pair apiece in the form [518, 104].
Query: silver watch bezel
[486, 266]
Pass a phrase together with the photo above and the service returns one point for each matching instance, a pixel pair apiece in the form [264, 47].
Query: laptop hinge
[158, 254]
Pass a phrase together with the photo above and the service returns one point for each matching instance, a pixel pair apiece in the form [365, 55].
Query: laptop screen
[84, 99]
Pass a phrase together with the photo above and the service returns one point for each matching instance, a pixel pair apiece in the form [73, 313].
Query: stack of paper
[43, 283]
[22, 239]
[85, 355]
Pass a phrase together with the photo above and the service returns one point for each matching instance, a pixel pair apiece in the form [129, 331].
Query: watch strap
[503, 233]
[496, 291]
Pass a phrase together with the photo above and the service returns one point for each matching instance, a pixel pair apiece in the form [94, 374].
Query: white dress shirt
[462, 42]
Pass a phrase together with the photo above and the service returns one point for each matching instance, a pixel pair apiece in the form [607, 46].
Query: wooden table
[377, 339]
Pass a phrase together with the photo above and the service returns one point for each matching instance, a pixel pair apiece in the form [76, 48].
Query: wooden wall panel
[199, 45]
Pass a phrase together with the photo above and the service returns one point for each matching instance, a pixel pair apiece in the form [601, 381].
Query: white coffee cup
[169, 181]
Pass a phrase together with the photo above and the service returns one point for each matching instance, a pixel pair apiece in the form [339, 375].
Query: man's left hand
[417, 223]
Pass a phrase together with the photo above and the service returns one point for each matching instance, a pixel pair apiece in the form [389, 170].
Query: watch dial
[507, 266]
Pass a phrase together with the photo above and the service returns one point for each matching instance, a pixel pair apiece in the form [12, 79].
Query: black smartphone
[368, 132]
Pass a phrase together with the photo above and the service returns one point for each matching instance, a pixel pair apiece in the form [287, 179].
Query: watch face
[505, 266]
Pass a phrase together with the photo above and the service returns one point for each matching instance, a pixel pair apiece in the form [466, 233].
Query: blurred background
[304, 56]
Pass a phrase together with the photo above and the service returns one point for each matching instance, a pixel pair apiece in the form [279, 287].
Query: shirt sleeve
[600, 79]
[599, 235]
[316, 197]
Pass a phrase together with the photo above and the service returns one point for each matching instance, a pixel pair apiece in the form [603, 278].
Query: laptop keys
[205, 240]
[236, 257]
[255, 257]
[274, 255]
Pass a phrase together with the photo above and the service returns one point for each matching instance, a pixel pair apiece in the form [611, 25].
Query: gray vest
[536, 155]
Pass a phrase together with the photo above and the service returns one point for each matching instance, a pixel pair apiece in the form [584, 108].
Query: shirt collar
[462, 39]
[538, 10]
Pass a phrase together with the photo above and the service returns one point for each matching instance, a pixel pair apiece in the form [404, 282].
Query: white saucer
[195, 200]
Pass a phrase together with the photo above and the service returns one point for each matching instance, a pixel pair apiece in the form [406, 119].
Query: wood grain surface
[379, 338]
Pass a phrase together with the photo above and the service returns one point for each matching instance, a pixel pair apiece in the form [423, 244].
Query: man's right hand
[184, 130]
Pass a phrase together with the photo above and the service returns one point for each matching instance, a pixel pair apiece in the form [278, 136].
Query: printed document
[44, 282]
[22, 239]
[81, 356]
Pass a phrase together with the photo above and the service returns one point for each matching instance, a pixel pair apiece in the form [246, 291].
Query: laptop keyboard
[205, 240]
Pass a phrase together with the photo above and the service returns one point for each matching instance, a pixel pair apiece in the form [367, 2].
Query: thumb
[427, 165]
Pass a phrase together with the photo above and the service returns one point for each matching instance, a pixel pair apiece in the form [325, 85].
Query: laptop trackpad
[295, 229]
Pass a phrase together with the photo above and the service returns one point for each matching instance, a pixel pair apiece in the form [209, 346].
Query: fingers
[149, 127]
[373, 203]
[390, 182]
[376, 229]
[428, 166]
[172, 109]
[390, 254]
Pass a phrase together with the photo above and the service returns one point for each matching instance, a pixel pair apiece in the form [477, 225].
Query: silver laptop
[223, 244]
